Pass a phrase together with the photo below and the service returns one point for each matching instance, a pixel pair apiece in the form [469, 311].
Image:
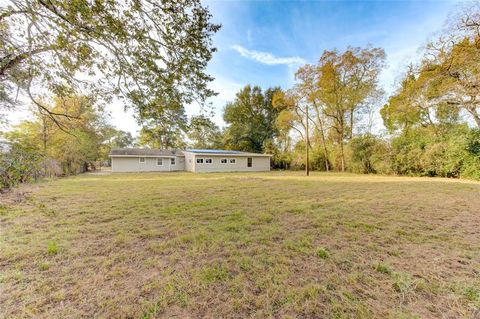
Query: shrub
[368, 154]
[18, 165]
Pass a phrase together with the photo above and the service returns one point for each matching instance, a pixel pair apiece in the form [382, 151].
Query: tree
[121, 139]
[294, 114]
[251, 119]
[75, 151]
[164, 130]
[306, 84]
[451, 66]
[203, 133]
[446, 84]
[141, 51]
[347, 83]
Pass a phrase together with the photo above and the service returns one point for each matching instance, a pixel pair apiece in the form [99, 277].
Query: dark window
[249, 162]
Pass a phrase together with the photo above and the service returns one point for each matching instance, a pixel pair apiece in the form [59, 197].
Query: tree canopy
[251, 119]
[151, 54]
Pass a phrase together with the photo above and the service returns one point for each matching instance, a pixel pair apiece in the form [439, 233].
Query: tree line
[323, 122]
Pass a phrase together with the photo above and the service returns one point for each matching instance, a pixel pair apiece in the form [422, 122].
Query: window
[208, 161]
[199, 160]
[233, 161]
[223, 161]
[172, 161]
[249, 162]
[159, 161]
[142, 159]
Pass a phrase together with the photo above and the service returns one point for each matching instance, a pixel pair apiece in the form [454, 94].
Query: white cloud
[266, 57]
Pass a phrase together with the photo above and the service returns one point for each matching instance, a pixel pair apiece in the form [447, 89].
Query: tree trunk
[343, 156]
[325, 151]
[351, 122]
[307, 144]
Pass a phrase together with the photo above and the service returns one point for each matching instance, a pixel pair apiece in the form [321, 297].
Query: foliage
[204, 133]
[368, 154]
[432, 114]
[331, 97]
[423, 151]
[347, 84]
[251, 119]
[164, 131]
[152, 54]
[18, 164]
[75, 144]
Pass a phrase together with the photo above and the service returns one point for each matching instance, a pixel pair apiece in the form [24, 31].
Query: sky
[264, 42]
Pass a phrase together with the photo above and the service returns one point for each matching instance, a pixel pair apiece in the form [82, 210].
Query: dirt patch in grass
[242, 245]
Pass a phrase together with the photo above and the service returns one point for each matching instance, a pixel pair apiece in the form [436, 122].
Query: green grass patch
[53, 248]
[384, 269]
[322, 253]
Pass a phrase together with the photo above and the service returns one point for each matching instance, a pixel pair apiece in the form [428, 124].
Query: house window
[159, 162]
[208, 161]
[142, 159]
[233, 161]
[199, 160]
[223, 161]
[172, 161]
[249, 162]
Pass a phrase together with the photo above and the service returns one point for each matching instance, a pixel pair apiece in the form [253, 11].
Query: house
[192, 160]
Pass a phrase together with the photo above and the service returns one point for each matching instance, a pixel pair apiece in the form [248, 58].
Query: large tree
[294, 114]
[445, 85]
[204, 133]
[164, 130]
[251, 119]
[347, 85]
[152, 54]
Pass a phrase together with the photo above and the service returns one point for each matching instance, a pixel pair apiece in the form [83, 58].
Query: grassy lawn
[260, 245]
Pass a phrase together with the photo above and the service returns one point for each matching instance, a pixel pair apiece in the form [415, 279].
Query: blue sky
[264, 42]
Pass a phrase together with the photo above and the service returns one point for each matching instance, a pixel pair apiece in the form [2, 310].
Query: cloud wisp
[266, 57]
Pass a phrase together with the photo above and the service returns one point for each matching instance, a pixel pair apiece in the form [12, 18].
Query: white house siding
[259, 163]
[132, 164]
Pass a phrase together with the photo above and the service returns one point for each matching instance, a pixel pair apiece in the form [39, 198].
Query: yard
[259, 245]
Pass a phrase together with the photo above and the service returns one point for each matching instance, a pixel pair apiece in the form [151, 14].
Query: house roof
[206, 152]
[143, 152]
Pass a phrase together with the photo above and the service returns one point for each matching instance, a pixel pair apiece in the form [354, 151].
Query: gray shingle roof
[144, 152]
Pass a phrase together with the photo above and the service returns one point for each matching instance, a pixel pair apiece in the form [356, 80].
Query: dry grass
[273, 245]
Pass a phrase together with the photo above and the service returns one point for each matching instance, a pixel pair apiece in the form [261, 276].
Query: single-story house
[192, 160]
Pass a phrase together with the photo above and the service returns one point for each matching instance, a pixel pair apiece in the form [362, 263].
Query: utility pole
[307, 170]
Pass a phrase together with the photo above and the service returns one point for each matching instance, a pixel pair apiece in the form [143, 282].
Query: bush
[446, 151]
[368, 154]
[18, 165]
